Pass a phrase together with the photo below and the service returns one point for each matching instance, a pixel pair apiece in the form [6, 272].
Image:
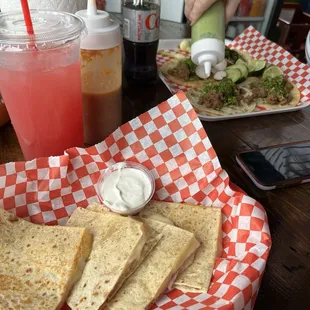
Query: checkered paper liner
[259, 47]
[171, 142]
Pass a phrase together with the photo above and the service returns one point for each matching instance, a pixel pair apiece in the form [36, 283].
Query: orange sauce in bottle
[102, 92]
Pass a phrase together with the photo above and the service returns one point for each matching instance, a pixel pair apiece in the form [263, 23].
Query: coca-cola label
[141, 26]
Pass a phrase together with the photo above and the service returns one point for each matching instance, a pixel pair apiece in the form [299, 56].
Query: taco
[181, 70]
[221, 99]
[232, 55]
[272, 92]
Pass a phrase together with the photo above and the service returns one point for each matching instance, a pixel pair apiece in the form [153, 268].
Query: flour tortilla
[261, 102]
[206, 224]
[118, 242]
[153, 237]
[97, 207]
[39, 264]
[158, 270]
[193, 96]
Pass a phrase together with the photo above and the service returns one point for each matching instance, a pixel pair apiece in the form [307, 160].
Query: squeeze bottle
[208, 37]
[101, 72]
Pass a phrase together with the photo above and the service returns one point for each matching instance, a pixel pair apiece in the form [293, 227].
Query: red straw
[27, 16]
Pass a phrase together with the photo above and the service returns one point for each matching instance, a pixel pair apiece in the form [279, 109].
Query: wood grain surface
[286, 283]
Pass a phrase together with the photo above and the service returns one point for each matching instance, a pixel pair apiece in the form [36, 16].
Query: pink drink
[45, 108]
[42, 91]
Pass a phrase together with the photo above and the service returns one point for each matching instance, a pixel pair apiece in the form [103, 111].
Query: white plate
[173, 44]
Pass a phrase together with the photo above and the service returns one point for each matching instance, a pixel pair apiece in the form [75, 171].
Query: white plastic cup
[128, 164]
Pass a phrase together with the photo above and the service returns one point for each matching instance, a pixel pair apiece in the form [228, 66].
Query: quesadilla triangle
[97, 207]
[206, 224]
[159, 269]
[182, 71]
[221, 99]
[151, 242]
[272, 92]
[118, 242]
[39, 264]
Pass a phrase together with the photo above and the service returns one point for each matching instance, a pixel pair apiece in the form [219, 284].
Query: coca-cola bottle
[141, 20]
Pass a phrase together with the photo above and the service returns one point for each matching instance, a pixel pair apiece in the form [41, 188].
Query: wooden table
[286, 283]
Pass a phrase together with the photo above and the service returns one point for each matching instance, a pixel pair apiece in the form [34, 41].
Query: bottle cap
[206, 53]
[207, 67]
[103, 32]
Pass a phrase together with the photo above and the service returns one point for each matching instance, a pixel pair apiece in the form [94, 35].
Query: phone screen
[278, 164]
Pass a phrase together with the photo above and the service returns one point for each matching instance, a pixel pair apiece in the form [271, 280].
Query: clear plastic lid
[51, 29]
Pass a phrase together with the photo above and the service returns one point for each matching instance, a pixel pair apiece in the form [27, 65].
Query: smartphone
[277, 166]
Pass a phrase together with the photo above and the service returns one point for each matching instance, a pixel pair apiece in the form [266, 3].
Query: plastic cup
[40, 80]
[128, 164]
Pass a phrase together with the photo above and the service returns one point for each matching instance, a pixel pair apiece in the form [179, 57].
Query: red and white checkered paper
[171, 142]
[259, 47]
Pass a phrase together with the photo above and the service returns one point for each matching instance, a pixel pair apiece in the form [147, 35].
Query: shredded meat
[181, 71]
[248, 99]
[272, 99]
[254, 82]
[212, 100]
[252, 85]
[260, 92]
[289, 86]
[242, 95]
[257, 92]
[242, 91]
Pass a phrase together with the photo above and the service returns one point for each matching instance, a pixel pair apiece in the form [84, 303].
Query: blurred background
[284, 22]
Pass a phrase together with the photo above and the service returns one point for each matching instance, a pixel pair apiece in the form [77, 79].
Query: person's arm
[195, 8]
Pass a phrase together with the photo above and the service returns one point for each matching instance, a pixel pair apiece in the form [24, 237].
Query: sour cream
[126, 188]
